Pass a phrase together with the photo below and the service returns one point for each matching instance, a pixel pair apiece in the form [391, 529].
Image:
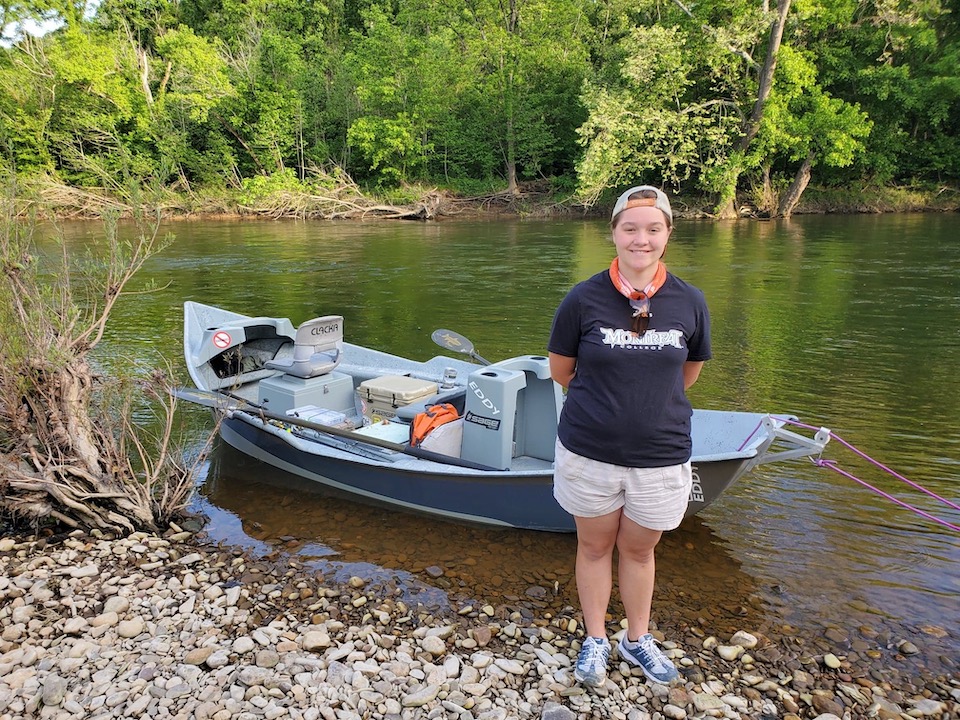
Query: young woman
[626, 343]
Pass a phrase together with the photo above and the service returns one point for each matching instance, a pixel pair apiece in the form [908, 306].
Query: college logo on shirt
[651, 339]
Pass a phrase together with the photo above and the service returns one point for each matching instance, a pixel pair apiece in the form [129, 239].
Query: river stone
[75, 626]
[130, 628]
[483, 635]
[243, 645]
[831, 661]
[91, 570]
[744, 640]
[198, 656]
[217, 659]
[678, 696]
[705, 702]
[267, 659]
[555, 711]
[314, 640]
[927, 707]
[836, 636]
[108, 619]
[729, 652]
[54, 690]
[420, 698]
[737, 703]
[674, 712]
[434, 645]
[251, 676]
[22, 615]
[338, 674]
[825, 704]
[511, 666]
[116, 604]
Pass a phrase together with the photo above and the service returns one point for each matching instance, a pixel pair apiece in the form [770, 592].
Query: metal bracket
[798, 445]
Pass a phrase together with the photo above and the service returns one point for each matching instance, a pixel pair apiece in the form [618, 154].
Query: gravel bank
[144, 626]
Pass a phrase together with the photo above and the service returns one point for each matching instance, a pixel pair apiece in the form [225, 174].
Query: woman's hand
[563, 368]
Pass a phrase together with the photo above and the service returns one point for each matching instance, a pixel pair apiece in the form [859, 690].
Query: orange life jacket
[434, 417]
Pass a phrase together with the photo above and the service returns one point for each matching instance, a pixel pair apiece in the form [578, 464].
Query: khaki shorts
[654, 498]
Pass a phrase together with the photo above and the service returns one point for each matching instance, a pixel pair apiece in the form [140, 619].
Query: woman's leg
[596, 538]
[636, 570]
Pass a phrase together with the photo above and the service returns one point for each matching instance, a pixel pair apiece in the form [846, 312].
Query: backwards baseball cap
[643, 196]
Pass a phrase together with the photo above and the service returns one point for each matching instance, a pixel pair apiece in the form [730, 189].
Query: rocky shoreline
[149, 626]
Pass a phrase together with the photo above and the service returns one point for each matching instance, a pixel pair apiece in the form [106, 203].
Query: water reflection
[267, 511]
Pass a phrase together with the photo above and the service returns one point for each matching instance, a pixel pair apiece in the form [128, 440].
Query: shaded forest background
[303, 106]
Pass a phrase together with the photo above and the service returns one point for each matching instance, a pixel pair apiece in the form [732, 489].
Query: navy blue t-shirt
[626, 404]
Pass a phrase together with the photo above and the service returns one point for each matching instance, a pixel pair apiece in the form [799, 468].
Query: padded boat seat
[456, 397]
[317, 348]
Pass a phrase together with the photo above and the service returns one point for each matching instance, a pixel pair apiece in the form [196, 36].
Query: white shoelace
[648, 647]
[595, 656]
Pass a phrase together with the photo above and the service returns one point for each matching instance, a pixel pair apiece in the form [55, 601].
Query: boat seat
[317, 348]
[456, 397]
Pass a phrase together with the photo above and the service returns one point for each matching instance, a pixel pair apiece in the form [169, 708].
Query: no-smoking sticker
[221, 339]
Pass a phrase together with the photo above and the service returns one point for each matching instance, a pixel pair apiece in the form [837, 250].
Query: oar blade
[204, 397]
[452, 341]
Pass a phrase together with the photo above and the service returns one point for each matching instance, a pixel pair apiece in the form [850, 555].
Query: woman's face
[640, 236]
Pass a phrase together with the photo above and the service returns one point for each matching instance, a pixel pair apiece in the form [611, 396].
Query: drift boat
[305, 401]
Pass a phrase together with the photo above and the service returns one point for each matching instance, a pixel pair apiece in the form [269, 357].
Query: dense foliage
[741, 100]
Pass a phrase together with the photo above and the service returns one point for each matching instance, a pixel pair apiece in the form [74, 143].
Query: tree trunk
[511, 25]
[768, 203]
[727, 211]
[752, 126]
[512, 187]
[800, 181]
[510, 159]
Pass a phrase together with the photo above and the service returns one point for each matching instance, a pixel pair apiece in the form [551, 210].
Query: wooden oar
[224, 402]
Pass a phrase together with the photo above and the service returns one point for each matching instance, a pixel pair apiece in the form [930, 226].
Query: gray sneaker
[591, 667]
[649, 658]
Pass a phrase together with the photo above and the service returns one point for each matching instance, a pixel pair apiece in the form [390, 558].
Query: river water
[851, 322]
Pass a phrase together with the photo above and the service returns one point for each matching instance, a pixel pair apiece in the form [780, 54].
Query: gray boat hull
[490, 498]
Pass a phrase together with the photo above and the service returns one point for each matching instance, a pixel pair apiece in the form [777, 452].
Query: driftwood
[343, 200]
[69, 449]
[348, 205]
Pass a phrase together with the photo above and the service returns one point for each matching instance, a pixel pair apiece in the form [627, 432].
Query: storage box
[380, 397]
[281, 393]
[321, 416]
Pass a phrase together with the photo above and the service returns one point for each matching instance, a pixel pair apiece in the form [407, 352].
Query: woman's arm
[563, 368]
[691, 371]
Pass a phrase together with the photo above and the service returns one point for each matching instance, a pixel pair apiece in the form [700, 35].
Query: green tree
[652, 125]
[804, 124]
[531, 59]
[900, 61]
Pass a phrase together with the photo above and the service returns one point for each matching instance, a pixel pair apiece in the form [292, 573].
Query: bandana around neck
[639, 299]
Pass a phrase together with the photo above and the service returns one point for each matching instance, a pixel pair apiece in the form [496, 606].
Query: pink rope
[750, 436]
[880, 465]
[830, 464]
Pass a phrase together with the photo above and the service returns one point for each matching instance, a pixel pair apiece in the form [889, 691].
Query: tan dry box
[382, 396]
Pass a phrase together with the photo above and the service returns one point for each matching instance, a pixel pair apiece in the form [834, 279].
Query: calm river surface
[851, 322]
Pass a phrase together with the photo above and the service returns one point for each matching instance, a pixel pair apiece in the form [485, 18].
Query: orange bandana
[639, 299]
